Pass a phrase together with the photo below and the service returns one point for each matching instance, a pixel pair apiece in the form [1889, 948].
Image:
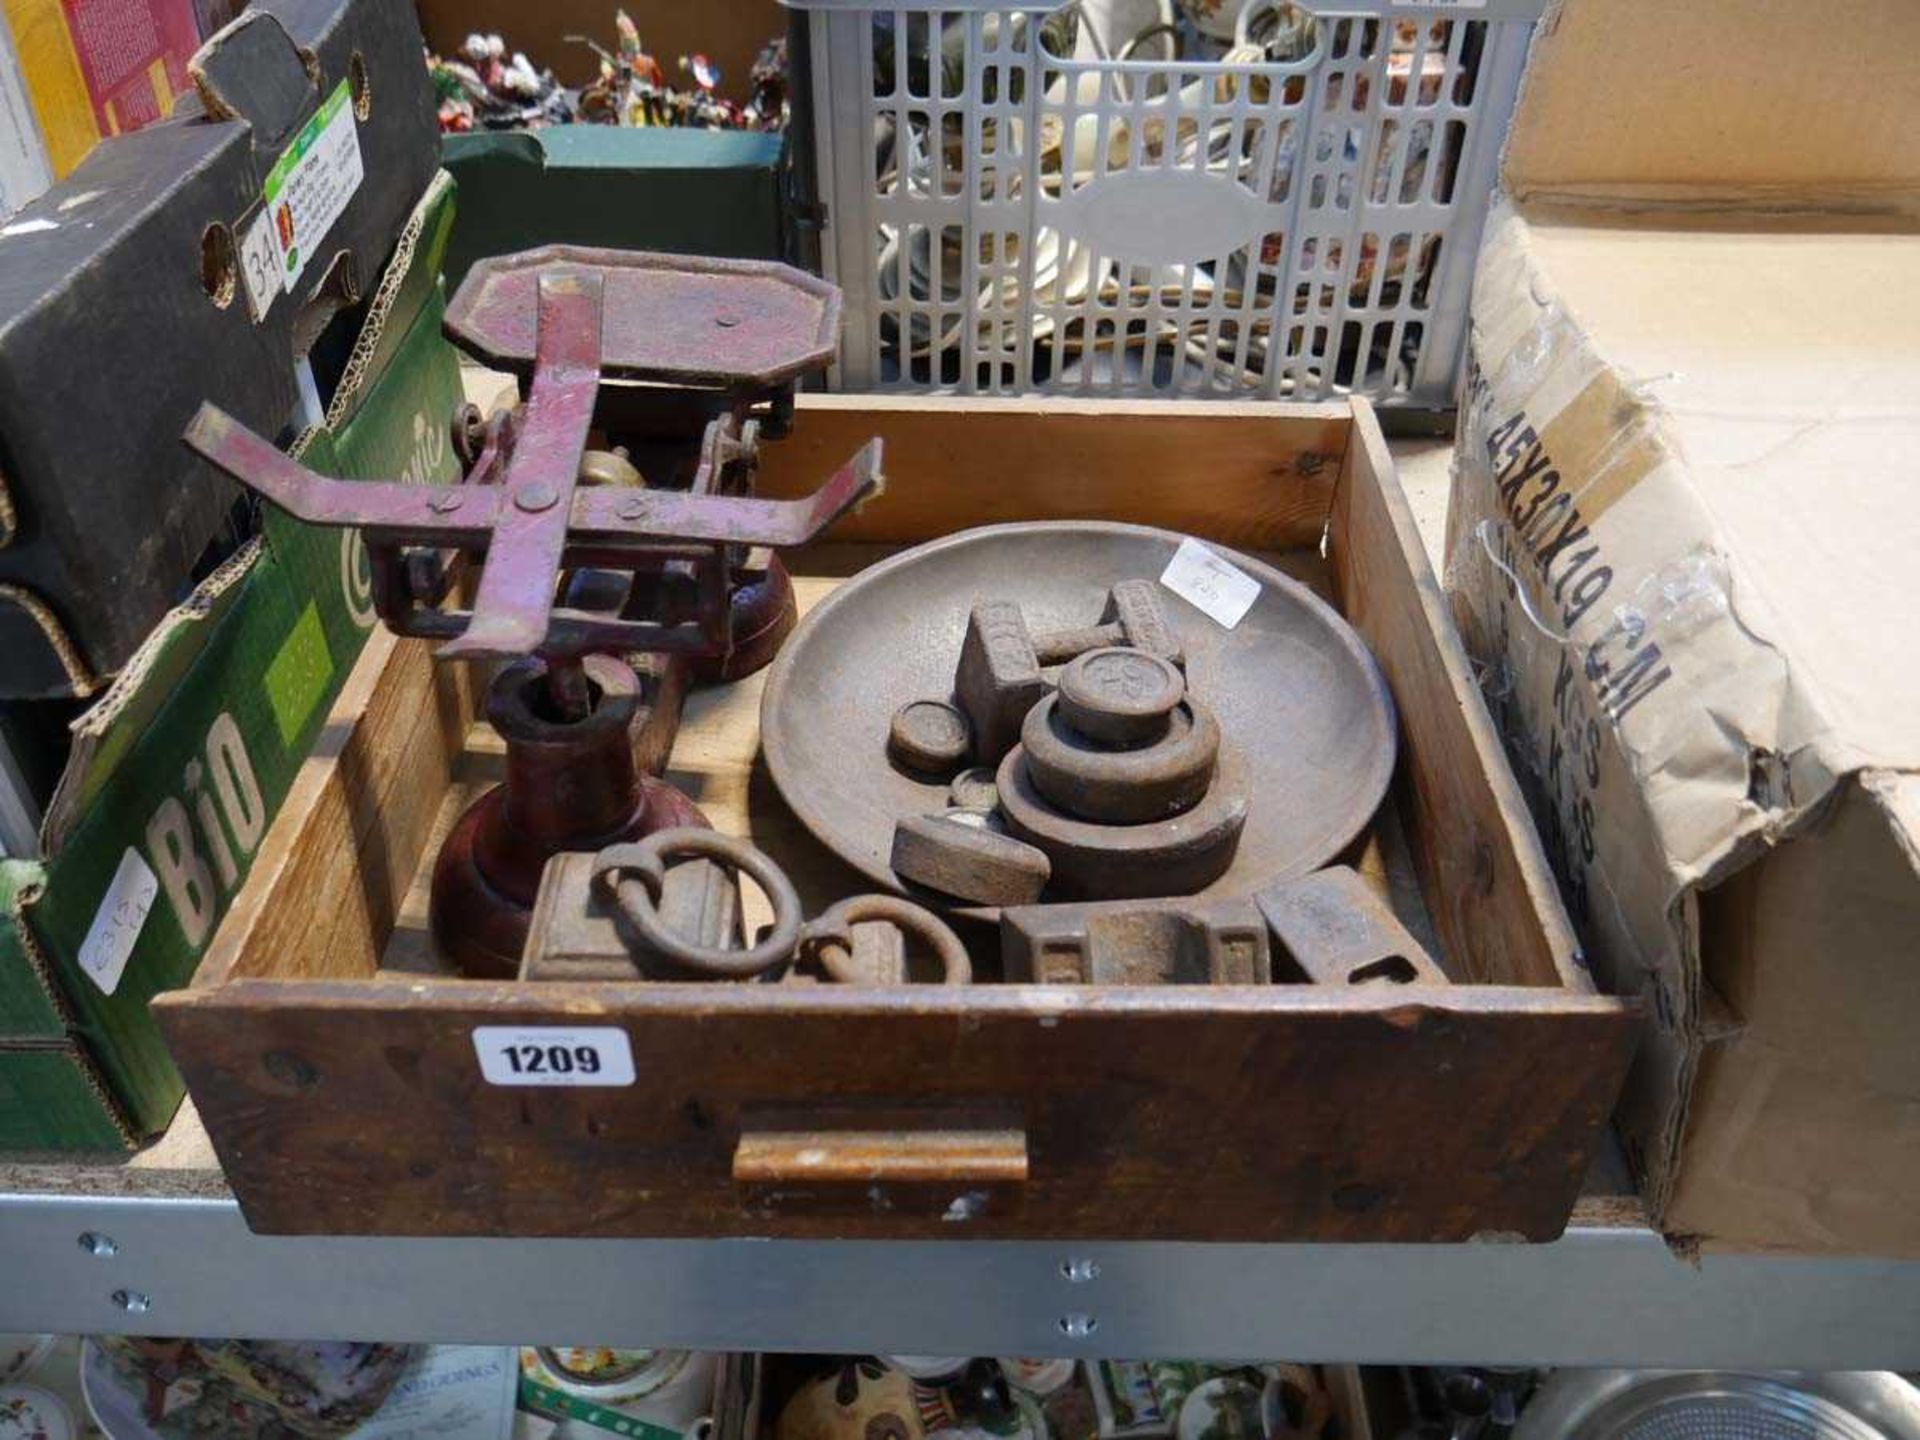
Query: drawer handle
[864, 1157]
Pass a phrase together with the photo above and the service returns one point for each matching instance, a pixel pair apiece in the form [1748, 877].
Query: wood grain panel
[1232, 472]
[1485, 877]
[1245, 1113]
[324, 890]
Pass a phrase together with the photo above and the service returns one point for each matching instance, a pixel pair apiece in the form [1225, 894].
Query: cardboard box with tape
[1681, 542]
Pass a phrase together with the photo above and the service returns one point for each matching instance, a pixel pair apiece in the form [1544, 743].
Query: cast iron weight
[667, 908]
[999, 676]
[564, 713]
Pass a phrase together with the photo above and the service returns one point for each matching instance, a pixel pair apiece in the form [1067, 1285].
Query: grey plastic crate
[1013, 219]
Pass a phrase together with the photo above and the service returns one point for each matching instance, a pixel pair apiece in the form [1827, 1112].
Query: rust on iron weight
[930, 738]
[1096, 860]
[1177, 941]
[973, 789]
[1152, 813]
[860, 940]
[1333, 928]
[968, 855]
[998, 679]
[1121, 785]
[1120, 697]
[626, 914]
[1133, 617]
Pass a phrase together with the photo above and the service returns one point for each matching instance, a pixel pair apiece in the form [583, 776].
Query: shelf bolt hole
[133, 1302]
[1078, 1327]
[1080, 1269]
[94, 1243]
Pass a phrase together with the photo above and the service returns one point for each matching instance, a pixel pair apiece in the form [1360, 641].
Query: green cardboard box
[179, 769]
[689, 192]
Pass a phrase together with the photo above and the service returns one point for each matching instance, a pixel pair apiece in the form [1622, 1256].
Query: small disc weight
[929, 738]
[974, 790]
[1120, 697]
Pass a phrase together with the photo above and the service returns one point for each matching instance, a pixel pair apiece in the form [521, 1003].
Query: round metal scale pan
[1295, 689]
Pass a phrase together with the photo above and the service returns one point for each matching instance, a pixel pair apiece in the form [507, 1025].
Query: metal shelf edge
[1599, 1295]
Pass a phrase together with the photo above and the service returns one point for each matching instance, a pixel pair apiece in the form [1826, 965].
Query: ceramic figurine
[860, 1400]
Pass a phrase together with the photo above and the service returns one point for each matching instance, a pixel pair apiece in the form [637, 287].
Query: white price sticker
[260, 266]
[594, 1055]
[312, 181]
[118, 922]
[1222, 591]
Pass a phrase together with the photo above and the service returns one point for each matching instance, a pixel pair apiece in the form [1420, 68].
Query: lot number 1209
[560, 1059]
[553, 1055]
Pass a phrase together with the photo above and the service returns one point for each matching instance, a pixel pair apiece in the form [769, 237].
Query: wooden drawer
[333, 1062]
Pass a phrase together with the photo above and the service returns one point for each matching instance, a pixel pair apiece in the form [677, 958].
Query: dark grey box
[122, 308]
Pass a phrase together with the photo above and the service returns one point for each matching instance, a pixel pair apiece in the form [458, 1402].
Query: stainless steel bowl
[1722, 1405]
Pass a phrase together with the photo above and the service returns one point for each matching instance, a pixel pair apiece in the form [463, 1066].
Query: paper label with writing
[452, 1392]
[312, 181]
[545, 1055]
[260, 265]
[1220, 590]
[117, 923]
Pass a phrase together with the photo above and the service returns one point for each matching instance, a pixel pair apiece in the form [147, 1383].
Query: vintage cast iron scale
[593, 586]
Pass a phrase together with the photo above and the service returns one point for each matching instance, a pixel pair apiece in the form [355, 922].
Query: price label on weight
[594, 1055]
[1216, 587]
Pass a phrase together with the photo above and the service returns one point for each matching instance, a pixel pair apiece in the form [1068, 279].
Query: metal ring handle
[634, 873]
[831, 933]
